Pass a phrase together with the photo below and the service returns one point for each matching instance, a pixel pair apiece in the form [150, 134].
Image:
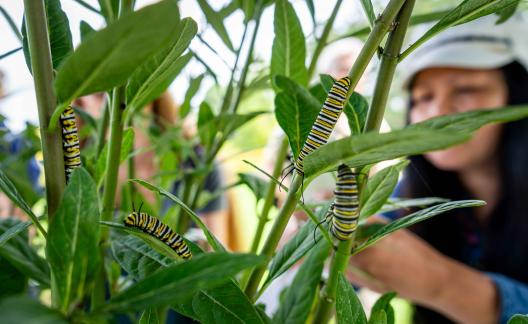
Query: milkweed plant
[75, 260]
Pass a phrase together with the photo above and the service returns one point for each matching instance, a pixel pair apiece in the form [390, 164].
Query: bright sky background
[20, 105]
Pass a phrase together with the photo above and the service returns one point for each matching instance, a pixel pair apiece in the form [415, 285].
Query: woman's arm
[404, 263]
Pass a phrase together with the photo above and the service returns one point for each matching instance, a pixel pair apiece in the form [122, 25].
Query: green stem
[39, 49]
[375, 115]
[389, 61]
[323, 40]
[275, 234]
[381, 26]
[12, 24]
[101, 131]
[270, 194]
[88, 6]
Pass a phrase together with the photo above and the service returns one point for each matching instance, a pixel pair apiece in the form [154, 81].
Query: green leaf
[150, 316]
[9, 189]
[194, 85]
[213, 241]
[507, 12]
[433, 134]
[109, 57]
[518, 319]
[296, 110]
[382, 311]
[289, 49]
[86, 30]
[379, 188]
[109, 9]
[13, 281]
[465, 12]
[19, 254]
[395, 203]
[73, 242]
[207, 125]
[295, 248]
[417, 217]
[22, 309]
[59, 34]
[229, 123]
[348, 306]
[311, 8]
[298, 297]
[369, 11]
[257, 185]
[152, 78]
[356, 108]
[225, 304]
[182, 280]
[126, 148]
[216, 21]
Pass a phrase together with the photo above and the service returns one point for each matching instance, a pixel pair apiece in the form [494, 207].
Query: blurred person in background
[160, 117]
[470, 265]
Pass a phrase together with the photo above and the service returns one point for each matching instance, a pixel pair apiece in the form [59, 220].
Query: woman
[470, 265]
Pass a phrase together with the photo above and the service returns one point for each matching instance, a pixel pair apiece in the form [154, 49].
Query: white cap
[479, 44]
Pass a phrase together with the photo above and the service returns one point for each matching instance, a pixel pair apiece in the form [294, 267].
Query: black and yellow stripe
[346, 204]
[325, 122]
[153, 226]
[70, 142]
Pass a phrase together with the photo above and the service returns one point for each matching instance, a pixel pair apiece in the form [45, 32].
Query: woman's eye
[420, 99]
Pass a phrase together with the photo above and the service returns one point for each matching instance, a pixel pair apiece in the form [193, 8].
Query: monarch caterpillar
[70, 142]
[346, 204]
[325, 122]
[154, 227]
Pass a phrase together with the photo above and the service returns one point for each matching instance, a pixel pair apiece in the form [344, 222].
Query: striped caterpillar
[70, 142]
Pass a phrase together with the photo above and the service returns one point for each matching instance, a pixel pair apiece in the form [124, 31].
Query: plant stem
[381, 26]
[12, 24]
[375, 115]
[389, 61]
[101, 131]
[39, 48]
[275, 234]
[323, 39]
[270, 194]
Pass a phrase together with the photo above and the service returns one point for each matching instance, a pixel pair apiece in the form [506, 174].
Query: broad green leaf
[207, 125]
[296, 247]
[13, 281]
[152, 78]
[379, 188]
[194, 85]
[417, 217]
[369, 11]
[216, 21]
[356, 108]
[9, 189]
[225, 304]
[395, 203]
[182, 280]
[465, 12]
[296, 110]
[348, 306]
[23, 309]
[59, 34]
[149, 316]
[433, 134]
[518, 319]
[213, 241]
[19, 254]
[86, 30]
[507, 12]
[257, 185]
[289, 49]
[382, 311]
[73, 242]
[298, 297]
[109, 57]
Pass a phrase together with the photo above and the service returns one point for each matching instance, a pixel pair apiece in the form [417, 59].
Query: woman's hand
[405, 263]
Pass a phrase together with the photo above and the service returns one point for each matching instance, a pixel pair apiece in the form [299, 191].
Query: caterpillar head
[130, 220]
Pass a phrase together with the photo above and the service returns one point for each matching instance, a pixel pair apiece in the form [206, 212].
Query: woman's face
[444, 91]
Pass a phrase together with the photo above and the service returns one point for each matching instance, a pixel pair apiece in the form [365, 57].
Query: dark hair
[504, 237]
